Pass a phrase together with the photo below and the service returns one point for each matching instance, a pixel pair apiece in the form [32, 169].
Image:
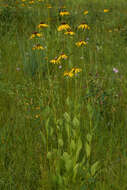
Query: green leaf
[94, 168]
[76, 122]
[47, 123]
[89, 138]
[68, 165]
[49, 155]
[88, 150]
[68, 101]
[43, 138]
[72, 145]
[84, 187]
[47, 110]
[66, 156]
[75, 170]
[59, 180]
[60, 142]
[67, 117]
[90, 110]
[79, 147]
[68, 130]
[67, 160]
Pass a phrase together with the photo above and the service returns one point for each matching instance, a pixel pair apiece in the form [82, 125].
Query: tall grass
[63, 132]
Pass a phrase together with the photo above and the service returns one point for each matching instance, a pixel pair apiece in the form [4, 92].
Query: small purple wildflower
[87, 39]
[115, 70]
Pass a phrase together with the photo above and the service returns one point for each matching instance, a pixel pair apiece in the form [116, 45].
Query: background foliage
[56, 131]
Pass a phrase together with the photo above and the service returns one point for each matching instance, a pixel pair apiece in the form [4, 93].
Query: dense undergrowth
[63, 95]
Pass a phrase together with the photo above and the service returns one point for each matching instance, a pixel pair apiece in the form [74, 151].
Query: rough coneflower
[62, 56]
[63, 13]
[38, 47]
[80, 43]
[69, 32]
[64, 26]
[49, 6]
[35, 34]
[106, 10]
[42, 25]
[72, 72]
[85, 12]
[31, 2]
[57, 60]
[83, 26]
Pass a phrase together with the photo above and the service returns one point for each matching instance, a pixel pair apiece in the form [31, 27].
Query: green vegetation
[63, 93]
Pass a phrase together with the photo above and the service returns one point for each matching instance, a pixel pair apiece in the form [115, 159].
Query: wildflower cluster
[64, 26]
[59, 59]
[67, 30]
[38, 47]
[72, 72]
[83, 26]
[80, 43]
[85, 12]
[42, 25]
[63, 13]
[35, 34]
[106, 10]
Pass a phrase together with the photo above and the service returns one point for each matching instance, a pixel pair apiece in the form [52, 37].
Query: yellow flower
[69, 33]
[58, 59]
[77, 70]
[83, 26]
[106, 10]
[37, 116]
[63, 26]
[55, 61]
[42, 25]
[23, 5]
[38, 47]
[62, 13]
[85, 12]
[38, 35]
[72, 72]
[68, 74]
[35, 34]
[80, 43]
[65, 73]
[31, 2]
[49, 6]
[62, 56]
[32, 36]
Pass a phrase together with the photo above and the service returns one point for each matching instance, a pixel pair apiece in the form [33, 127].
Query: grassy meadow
[63, 87]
